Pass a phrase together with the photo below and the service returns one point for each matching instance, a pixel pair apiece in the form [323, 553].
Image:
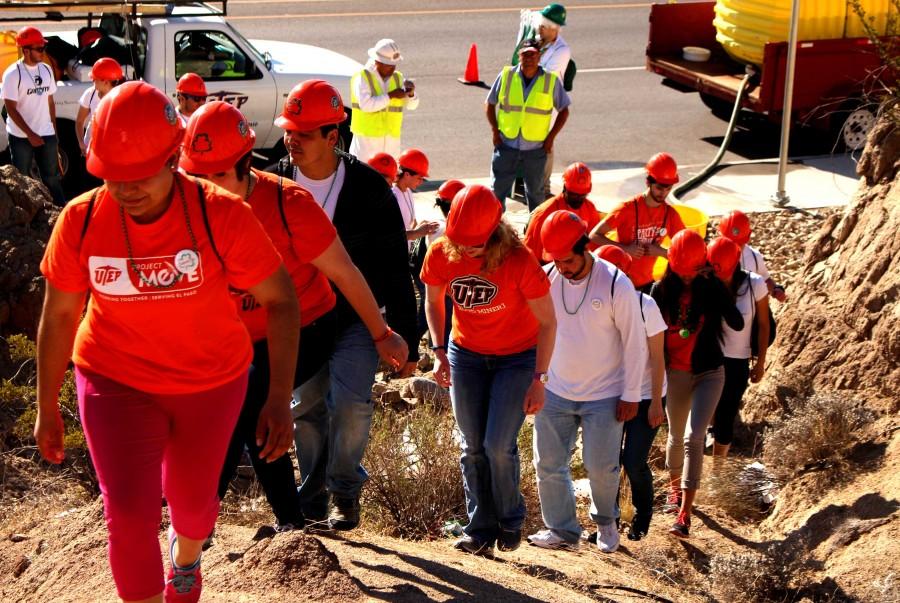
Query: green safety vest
[387, 121]
[529, 116]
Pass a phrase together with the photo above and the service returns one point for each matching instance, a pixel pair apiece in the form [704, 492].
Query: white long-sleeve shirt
[370, 103]
[556, 57]
[601, 346]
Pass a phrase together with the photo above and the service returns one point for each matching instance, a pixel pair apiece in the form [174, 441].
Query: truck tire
[720, 107]
[852, 123]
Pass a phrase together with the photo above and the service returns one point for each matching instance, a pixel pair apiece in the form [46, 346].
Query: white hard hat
[386, 51]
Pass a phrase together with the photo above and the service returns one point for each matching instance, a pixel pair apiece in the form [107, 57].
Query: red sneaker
[673, 500]
[183, 584]
[681, 527]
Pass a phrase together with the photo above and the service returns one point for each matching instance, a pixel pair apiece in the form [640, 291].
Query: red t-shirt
[679, 349]
[587, 212]
[311, 232]
[160, 318]
[634, 221]
[490, 311]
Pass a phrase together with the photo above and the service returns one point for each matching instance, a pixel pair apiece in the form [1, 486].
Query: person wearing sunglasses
[191, 94]
[642, 222]
[28, 89]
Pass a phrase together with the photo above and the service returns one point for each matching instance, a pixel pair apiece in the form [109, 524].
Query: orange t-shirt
[635, 221]
[160, 317]
[587, 212]
[490, 311]
[311, 232]
[679, 349]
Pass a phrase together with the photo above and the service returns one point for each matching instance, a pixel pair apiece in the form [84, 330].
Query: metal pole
[781, 197]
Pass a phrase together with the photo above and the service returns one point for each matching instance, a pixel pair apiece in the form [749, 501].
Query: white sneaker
[547, 539]
[608, 538]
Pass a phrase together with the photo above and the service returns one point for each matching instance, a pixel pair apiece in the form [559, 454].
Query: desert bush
[741, 489]
[816, 431]
[415, 484]
[762, 577]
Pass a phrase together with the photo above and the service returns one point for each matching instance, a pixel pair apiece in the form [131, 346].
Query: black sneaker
[638, 529]
[682, 526]
[345, 515]
[474, 546]
[509, 540]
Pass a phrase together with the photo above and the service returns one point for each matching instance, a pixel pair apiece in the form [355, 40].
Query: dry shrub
[741, 489]
[755, 577]
[415, 484]
[816, 431]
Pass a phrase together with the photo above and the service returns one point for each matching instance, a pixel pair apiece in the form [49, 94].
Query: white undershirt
[736, 344]
[753, 261]
[325, 192]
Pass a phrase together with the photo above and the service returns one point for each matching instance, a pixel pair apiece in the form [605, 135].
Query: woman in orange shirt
[496, 365]
[160, 356]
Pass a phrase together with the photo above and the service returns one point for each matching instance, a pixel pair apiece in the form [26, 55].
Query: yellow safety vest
[387, 121]
[529, 116]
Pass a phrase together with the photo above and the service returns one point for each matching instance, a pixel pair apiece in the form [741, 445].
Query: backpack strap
[612, 289]
[90, 211]
[755, 261]
[201, 196]
[641, 305]
[281, 207]
[19, 71]
[666, 215]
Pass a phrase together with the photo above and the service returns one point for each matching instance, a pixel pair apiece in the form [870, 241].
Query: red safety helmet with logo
[30, 36]
[124, 148]
[662, 168]
[384, 164]
[192, 84]
[577, 179]
[736, 226]
[616, 256]
[723, 255]
[107, 69]
[687, 254]
[474, 215]
[310, 105]
[560, 232]
[216, 138]
[414, 160]
[448, 189]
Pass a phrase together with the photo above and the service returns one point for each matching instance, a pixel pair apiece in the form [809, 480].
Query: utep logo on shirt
[472, 291]
[154, 276]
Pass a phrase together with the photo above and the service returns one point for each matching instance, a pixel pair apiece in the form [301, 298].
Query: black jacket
[369, 224]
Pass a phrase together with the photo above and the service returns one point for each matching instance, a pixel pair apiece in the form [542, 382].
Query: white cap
[386, 51]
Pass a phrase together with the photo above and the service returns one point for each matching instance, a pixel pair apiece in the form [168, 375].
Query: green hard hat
[555, 12]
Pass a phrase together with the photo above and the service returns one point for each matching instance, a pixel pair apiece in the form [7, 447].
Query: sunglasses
[36, 48]
[196, 99]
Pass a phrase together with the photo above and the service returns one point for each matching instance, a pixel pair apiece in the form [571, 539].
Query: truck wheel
[70, 159]
[854, 129]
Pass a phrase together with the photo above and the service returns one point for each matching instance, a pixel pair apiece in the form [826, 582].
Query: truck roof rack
[69, 10]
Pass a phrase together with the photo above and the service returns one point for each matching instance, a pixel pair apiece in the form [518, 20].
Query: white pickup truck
[159, 41]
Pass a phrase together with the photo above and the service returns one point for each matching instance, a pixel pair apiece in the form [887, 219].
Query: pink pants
[145, 446]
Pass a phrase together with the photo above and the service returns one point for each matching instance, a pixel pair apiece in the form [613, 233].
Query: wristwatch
[542, 377]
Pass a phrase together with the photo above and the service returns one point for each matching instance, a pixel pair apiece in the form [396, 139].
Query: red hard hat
[616, 256]
[216, 138]
[577, 178]
[559, 233]
[310, 105]
[30, 36]
[449, 189]
[663, 169]
[736, 226]
[384, 164]
[135, 131]
[414, 160]
[474, 215]
[191, 83]
[107, 69]
[723, 255]
[687, 254]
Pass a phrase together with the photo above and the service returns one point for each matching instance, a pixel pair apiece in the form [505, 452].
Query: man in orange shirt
[642, 222]
[576, 186]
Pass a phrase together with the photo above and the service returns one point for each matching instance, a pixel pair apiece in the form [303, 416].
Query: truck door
[232, 73]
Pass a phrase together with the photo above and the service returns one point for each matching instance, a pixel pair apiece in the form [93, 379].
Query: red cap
[723, 255]
[30, 36]
[687, 254]
[559, 233]
[107, 69]
[662, 168]
[191, 83]
[310, 105]
[474, 215]
[384, 164]
[414, 160]
[616, 256]
[577, 179]
[449, 189]
[217, 136]
[134, 132]
[736, 226]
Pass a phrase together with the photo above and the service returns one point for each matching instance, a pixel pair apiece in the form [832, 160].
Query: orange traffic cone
[470, 78]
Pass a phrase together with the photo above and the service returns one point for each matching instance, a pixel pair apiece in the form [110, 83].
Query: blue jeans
[639, 438]
[22, 155]
[555, 434]
[488, 393]
[505, 163]
[332, 417]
